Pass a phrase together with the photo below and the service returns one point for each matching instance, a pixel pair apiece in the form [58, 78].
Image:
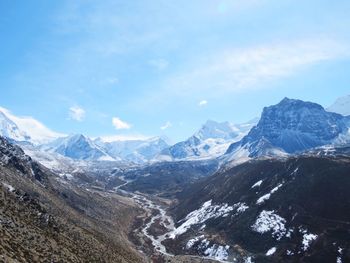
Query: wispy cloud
[240, 69]
[111, 80]
[202, 103]
[159, 64]
[166, 125]
[76, 113]
[119, 124]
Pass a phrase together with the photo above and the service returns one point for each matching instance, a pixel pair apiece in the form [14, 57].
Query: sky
[134, 69]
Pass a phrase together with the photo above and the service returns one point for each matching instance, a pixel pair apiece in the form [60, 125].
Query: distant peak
[288, 103]
[210, 123]
[77, 136]
[287, 100]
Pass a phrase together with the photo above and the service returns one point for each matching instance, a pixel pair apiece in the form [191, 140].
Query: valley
[273, 191]
[174, 131]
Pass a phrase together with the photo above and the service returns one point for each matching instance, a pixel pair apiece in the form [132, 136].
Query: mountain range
[288, 127]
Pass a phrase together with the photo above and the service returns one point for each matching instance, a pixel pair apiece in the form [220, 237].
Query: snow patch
[217, 252]
[340, 251]
[271, 251]
[10, 188]
[268, 221]
[192, 241]
[267, 196]
[66, 176]
[295, 171]
[257, 184]
[241, 207]
[307, 239]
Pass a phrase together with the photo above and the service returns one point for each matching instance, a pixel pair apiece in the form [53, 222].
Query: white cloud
[166, 125]
[76, 113]
[240, 69]
[119, 124]
[159, 64]
[202, 103]
[37, 131]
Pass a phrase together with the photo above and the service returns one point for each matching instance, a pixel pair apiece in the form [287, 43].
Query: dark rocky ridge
[164, 178]
[44, 217]
[313, 195]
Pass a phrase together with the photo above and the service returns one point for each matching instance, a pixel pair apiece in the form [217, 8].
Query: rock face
[211, 141]
[292, 126]
[275, 206]
[341, 106]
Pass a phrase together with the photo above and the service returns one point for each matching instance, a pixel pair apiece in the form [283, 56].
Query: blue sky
[143, 68]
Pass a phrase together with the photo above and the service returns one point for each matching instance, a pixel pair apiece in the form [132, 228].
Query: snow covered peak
[78, 147]
[139, 151]
[210, 141]
[341, 106]
[217, 130]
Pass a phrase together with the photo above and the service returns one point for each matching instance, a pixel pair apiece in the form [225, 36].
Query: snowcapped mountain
[25, 129]
[210, 141]
[138, 151]
[341, 106]
[291, 126]
[77, 147]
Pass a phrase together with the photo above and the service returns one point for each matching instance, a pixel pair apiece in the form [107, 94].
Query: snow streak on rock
[205, 212]
[257, 184]
[267, 196]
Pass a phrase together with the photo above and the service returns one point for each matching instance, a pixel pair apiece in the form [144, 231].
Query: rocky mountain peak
[293, 126]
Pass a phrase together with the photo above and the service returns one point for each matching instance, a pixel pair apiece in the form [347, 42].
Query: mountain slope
[269, 211]
[341, 106]
[163, 178]
[291, 126]
[46, 218]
